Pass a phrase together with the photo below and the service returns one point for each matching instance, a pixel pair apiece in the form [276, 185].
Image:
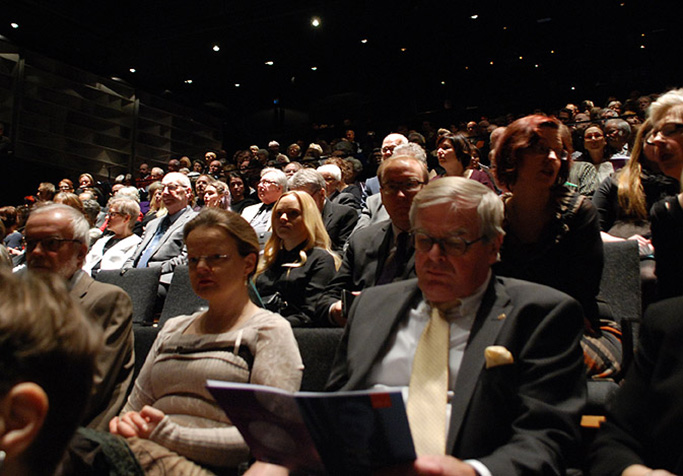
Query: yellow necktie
[428, 391]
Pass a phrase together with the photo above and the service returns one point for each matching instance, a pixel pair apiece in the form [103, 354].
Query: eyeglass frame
[393, 188]
[677, 128]
[30, 244]
[441, 242]
[210, 260]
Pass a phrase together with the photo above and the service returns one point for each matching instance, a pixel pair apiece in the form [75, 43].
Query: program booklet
[339, 433]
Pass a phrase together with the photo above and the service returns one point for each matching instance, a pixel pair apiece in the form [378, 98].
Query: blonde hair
[630, 192]
[316, 234]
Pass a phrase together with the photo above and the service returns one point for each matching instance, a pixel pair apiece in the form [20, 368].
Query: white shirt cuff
[478, 467]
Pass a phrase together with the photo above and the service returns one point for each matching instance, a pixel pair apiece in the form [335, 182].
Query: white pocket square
[496, 355]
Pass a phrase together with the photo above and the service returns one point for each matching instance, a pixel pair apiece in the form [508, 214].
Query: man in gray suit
[56, 239]
[162, 242]
[513, 374]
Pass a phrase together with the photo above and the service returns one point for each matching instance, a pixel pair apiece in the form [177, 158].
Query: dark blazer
[645, 419]
[520, 418]
[372, 212]
[111, 309]
[170, 251]
[339, 221]
[361, 265]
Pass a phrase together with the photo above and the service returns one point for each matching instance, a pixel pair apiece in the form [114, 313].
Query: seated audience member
[389, 143]
[334, 183]
[239, 198]
[157, 209]
[374, 211]
[92, 212]
[552, 234]
[66, 185]
[270, 188]
[112, 251]
[70, 199]
[12, 236]
[348, 184]
[215, 195]
[56, 239]
[162, 242]
[642, 432]
[455, 155]
[339, 220]
[292, 167]
[666, 141]
[47, 357]
[170, 420]
[382, 252]
[297, 260]
[593, 165]
[46, 192]
[507, 392]
[199, 187]
[618, 133]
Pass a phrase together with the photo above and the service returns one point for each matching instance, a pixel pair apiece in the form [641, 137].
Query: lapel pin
[501, 316]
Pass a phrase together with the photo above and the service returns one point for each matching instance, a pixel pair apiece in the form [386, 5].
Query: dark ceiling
[543, 53]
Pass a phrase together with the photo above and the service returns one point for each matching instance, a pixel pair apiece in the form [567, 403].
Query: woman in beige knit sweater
[172, 423]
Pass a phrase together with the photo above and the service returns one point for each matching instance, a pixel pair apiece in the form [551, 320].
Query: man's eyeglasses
[116, 214]
[49, 244]
[268, 182]
[451, 245]
[172, 187]
[411, 186]
[210, 260]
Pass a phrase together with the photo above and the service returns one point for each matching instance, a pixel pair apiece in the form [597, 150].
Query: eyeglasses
[451, 245]
[593, 136]
[210, 260]
[388, 148]
[48, 244]
[667, 130]
[172, 187]
[116, 214]
[542, 149]
[268, 182]
[411, 186]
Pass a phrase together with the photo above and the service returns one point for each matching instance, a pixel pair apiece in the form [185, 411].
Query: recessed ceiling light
[552, 52]
[474, 17]
[535, 66]
[270, 63]
[403, 49]
[573, 88]
[642, 47]
[314, 68]
[216, 48]
[14, 25]
[132, 70]
[491, 63]
[188, 81]
[315, 21]
[521, 57]
[364, 40]
[443, 83]
[505, 28]
[237, 85]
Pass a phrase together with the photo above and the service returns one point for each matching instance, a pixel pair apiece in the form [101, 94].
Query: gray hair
[128, 207]
[462, 193]
[663, 105]
[307, 178]
[620, 124]
[332, 169]
[182, 179]
[411, 148]
[279, 175]
[78, 224]
[129, 192]
[91, 209]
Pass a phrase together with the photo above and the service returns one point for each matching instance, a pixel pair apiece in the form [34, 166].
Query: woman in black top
[297, 262]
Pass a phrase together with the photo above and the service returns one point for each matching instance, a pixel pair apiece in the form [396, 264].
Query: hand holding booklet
[338, 433]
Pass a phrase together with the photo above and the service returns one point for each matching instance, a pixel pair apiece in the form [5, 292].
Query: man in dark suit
[513, 363]
[162, 242]
[57, 241]
[338, 219]
[644, 425]
[380, 253]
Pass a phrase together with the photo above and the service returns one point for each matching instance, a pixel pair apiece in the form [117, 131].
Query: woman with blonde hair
[297, 260]
[156, 205]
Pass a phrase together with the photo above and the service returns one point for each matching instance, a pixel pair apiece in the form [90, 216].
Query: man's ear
[495, 245]
[82, 253]
[23, 411]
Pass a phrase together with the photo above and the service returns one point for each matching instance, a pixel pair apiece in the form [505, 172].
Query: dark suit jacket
[111, 308]
[521, 418]
[367, 251]
[339, 221]
[645, 420]
[170, 251]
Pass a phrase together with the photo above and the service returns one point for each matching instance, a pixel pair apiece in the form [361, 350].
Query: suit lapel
[82, 285]
[377, 327]
[495, 306]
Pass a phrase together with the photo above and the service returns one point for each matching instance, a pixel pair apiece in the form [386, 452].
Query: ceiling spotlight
[552, 52]
[14, 25]
[403, 49]
[491, 63]
[642, 34]
[270, 63]
[474, 17]
[573, 88]
[642, 47]
[314, 68]
[443, 83]
[315, 22]
[505, 28]
[132, 70]
[521, 57]
[216, 48]
[535, 66]
[467, 67]
[364, 40]
[237, 85]
[188, 81]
